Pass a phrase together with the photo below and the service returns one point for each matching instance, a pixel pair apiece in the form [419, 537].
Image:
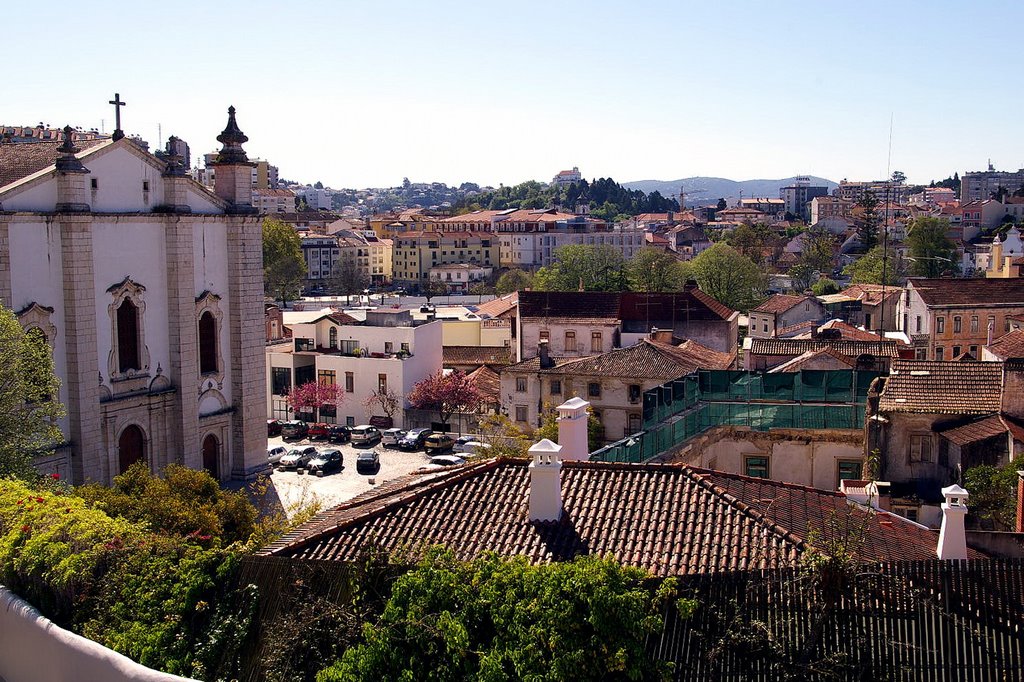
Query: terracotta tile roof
[779, 303]
[25, 158]
[471, 218]
[852, 348]
[495, 356]
[681, 306]
[667, 519]
[986, 428]
[1009, 345]
[645, 359]
[979, 291]
[569, 304]
[794, 331]
[942, 387]
[871, 293]
[848, 331]
[831, 356]
[499, 307]
[487, 382]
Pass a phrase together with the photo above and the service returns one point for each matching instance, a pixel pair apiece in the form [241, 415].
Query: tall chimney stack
[545, 481]
[952, 535]
[572, 430]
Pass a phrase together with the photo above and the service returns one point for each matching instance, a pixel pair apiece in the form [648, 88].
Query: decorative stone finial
[232, 138]
[175, 167]
[67, 162]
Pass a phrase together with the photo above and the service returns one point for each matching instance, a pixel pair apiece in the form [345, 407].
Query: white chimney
[572, 430]
[545, 481]
[952, 536]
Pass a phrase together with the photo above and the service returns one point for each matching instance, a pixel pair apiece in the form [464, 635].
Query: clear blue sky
[363, 93]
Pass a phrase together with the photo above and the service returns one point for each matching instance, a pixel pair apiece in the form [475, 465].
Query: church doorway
[131, 447]
[211, 456]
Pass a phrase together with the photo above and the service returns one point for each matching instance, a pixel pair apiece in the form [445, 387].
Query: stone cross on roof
[118, 133]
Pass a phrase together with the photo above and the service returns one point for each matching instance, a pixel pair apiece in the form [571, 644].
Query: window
[545, 335]
[909, 513]
[867, 320]
[570, 341]
[594, 389]
[940, 325]
[127, 337]
[405, 348]
[920, 448]
[974, 324]
[634, 393]
[350, 381]
[991, 323]
[765, 327]
[556, 387]
[956, 352]
[389, 347]
[921, 354]
[304, 375]
[207, 343]
[382, 383]
[325, 377]
[918, 324]
[520, 384]
[328, 412]
[350, 421]
[974, 352]
[940, 353]
[520, 413]
[94, 183]
[634, 425]
[145, 185]
[281, 380]
[349, 347]
[957, 324]
[848, 470]
[756, 466]
[595, 342]
[332, 338]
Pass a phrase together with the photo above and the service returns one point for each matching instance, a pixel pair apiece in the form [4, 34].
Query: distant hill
[701, 190]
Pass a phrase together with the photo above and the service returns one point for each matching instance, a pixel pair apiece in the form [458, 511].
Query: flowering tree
[446, 394]
[386, 399]
[313, 395]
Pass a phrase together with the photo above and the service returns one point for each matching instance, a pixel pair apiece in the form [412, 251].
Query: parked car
[275, 454]
[318, 431]
[273, 427]
[442, 462]
[297, 458]
[295, 429]
[473, 448]
[325, 462]
[337, 433]
[391, 437]
[461, 442]
[368, 462]
[365, 435]
[438, 442]
[414, 439]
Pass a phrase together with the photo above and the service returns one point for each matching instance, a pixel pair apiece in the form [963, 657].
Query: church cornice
[127, 282]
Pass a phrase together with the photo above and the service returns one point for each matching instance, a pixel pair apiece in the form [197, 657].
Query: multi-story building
[882, 190]
[414, 254]
[825, 208]
[459, 277]
[782, 311]
[932, 196]
[978, 216]
[797, 197]
[979, 185]
[148, 289]
[273, 201]
[365, 253]
[774, 208]
[945, 318]
[389, 351]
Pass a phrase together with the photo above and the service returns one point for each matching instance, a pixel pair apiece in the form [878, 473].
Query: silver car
[274, 454]
[298, 457]
[365, 435]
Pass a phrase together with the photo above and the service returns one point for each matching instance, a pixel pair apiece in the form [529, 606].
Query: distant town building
[978, 185]
[882, 190]
[567, 177]
[415, 253]
[797, 197]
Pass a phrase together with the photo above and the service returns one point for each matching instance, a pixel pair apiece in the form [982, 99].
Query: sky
[363, 94]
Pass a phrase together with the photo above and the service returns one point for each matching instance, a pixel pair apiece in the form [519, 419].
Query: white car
[442, 462]
[365, 435]
[275, 454]
[470, 445]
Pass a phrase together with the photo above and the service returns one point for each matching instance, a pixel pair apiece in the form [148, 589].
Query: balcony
[363, 353]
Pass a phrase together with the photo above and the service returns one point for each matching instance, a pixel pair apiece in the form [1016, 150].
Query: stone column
[87, 460]
[182, 446]
[246, 350]
[5, 264]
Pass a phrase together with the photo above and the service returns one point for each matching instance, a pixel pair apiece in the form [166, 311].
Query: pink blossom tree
[446, 394]
[385, 399]
[313, 395]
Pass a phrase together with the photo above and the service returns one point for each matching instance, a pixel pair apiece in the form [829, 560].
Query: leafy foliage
[313, 395]
[729, 277]
[445, 393]
[347, 278]
[802, 276]
[513, 280]
[549, 428]
[752, 241]
[866, 213]
[819, 249]
[590, 267]
[824, 287]
[606, 198]
[28, 397]
[505, 438]
[283, 263]
[868, 268]
[994, 492]
[932, 252]
[498, 619]
[655, 270]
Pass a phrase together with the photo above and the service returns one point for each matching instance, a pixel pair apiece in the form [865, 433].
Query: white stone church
[149, 289]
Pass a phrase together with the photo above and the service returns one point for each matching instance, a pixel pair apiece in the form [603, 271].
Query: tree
[384, 398]
[549, 428]
[868, 268]
[445, 394]
[867, 220]
[824, 287]
[819, 249]
[932, 252]
[318, 185]
[497, 618]
[347, 278]
[505, 438]
[313, 395]
[28, 397]
[752, 241]
[593, 268]
[994, 492]
[721, 206]
[729, 277]
[433, 287]
[513, 280]
[283, 263]
[802, 276]
[654, 270]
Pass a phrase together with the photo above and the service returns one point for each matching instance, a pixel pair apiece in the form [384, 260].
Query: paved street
[294, 488]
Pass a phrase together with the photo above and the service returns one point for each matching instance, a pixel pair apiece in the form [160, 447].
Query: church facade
[149, 290]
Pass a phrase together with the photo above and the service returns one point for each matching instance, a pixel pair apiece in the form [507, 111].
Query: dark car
[273, 428]
[368, 462]
[297, 458]
[325, 462]
[295, 429]
[318, 431]
[414, 439]
[336, 433]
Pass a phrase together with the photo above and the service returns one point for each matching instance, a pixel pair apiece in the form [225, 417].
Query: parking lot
[336, 487]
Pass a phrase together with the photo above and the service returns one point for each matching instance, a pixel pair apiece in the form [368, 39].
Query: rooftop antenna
[159, 136]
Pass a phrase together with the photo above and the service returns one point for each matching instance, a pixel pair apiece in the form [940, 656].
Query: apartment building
[416, 253]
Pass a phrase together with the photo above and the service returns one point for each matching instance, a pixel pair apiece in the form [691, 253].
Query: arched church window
[128, 336]
[207, 343]
[333, 335]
